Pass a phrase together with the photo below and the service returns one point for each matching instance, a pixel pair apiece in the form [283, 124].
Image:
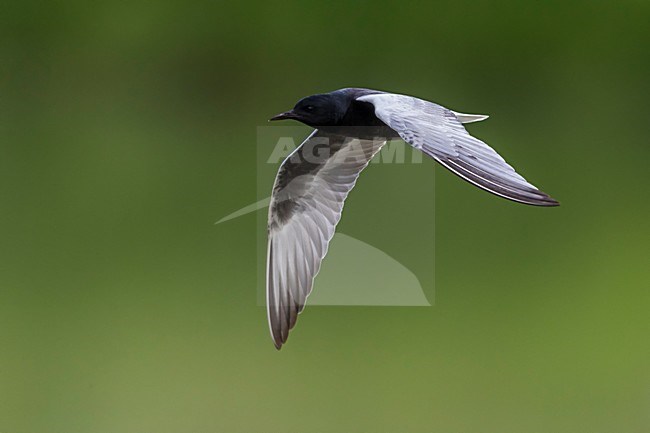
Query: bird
[312, 183]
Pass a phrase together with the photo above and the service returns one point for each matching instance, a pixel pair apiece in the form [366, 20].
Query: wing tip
[281, 335]
[552, 203]
[545, 200]
[278, 338]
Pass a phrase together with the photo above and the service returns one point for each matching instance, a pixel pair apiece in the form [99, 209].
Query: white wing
[308, 195]
[439, 133]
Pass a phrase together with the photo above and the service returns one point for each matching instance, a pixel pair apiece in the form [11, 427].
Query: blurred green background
[128, 128]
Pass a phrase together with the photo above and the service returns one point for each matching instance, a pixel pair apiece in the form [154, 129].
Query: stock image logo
[355, 272]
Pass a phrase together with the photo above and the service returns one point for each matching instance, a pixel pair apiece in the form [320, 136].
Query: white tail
[470, 118]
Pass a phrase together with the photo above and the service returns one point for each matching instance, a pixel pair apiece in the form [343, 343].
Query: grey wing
[439, 133]
[308, 195]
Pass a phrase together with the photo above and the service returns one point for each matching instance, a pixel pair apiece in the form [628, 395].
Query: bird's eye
[309, 108]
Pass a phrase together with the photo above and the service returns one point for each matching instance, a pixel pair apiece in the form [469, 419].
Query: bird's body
[350, 117]
[313, 182]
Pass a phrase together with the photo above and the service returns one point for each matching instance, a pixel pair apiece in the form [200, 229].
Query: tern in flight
[351, 125]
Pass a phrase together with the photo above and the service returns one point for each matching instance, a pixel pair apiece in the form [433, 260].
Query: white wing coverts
[439, 133]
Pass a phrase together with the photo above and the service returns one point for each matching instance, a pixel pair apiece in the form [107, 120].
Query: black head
[317, 110]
